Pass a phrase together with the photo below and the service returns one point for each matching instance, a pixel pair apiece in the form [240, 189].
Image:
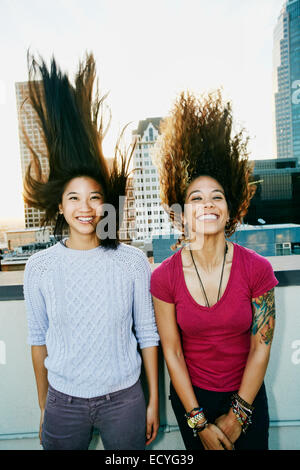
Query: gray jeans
[120, 418]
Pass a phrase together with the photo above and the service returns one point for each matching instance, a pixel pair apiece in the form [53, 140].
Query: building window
[283, 249]
[151, 134]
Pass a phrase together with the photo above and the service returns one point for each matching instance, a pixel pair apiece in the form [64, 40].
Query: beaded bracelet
[200, 427]
[244, 421]
[193, 412]
[242, 411]
[196, 420]
[243, 403]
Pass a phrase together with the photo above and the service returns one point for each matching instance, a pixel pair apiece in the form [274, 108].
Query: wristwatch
[194, 421]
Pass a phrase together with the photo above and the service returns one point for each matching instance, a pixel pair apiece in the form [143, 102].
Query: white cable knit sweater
[91, 308]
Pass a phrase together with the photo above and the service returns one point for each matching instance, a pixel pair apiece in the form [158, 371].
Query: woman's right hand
[213, 438]
[41, 425]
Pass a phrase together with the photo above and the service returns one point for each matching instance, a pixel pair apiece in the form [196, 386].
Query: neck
[211, 254]
[83, 242]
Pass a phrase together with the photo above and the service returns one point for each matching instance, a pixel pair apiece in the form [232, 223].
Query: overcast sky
[146, 53]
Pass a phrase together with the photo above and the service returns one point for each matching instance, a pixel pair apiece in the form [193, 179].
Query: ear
[60, 208]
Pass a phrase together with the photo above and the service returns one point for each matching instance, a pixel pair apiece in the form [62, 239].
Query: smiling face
[206, 209]
[81, 205]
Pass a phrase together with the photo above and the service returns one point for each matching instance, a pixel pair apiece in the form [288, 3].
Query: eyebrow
[199, 191]
[92, 192]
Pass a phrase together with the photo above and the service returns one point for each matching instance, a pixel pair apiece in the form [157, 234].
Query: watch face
[191, 423]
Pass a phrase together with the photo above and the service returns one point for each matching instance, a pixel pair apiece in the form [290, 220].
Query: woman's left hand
[152, 423]
[229, 425]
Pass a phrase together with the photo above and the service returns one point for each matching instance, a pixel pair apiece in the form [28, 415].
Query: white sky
[146, 53]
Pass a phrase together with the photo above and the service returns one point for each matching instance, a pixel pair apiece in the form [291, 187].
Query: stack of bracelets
[242, 410]
[196, 420]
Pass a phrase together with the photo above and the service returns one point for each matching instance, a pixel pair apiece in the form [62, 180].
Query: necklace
[206, 299]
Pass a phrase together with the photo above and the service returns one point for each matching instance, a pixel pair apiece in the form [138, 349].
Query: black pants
[215, 404]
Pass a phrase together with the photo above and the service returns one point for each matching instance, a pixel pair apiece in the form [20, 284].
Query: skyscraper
[286, 80]
[28, 121]
[127, 230]
[151, 218]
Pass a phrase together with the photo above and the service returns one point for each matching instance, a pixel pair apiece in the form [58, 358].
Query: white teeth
[208, 217]
[85, 219]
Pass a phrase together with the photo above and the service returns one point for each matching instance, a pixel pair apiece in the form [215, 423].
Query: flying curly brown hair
[196, 139]
[70, 122]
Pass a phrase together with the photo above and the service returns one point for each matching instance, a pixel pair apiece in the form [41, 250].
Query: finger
[149, 431]
[149, 441]
[153, 433]
[226, 443]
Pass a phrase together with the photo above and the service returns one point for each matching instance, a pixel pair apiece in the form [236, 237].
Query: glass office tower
[286, 80]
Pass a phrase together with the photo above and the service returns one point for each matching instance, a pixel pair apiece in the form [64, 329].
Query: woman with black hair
[213, 299]
[87, 299]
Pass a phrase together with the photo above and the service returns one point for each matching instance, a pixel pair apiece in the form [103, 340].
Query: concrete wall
[19, 412]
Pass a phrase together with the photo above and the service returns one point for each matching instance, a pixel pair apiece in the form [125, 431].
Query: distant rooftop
[266, 226]
[142, 126]
[33, 229]
[11, 278]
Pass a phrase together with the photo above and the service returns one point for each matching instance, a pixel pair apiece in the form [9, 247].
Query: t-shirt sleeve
[160, 284]
[37, 318]
[262, 276]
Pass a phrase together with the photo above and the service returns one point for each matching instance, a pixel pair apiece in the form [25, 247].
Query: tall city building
[28, 122]
[127, 231]
[127, 206]
[286, 81]
[151, 218]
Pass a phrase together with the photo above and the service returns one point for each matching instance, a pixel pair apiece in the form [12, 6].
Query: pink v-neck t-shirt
[216, 340]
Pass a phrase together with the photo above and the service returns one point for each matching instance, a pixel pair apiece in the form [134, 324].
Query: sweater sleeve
[143, 312]
[37, 319]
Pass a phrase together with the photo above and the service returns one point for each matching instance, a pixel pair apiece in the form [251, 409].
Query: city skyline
[143, 62]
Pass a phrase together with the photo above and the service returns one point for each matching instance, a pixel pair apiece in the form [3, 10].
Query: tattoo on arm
[264, 316]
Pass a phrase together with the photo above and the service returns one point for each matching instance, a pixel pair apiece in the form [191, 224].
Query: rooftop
[11, 278]
[142, 126]
[33, 229]
[266, 226]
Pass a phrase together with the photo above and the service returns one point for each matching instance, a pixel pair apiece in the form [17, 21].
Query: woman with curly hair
[213, 299]
[87, 297]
